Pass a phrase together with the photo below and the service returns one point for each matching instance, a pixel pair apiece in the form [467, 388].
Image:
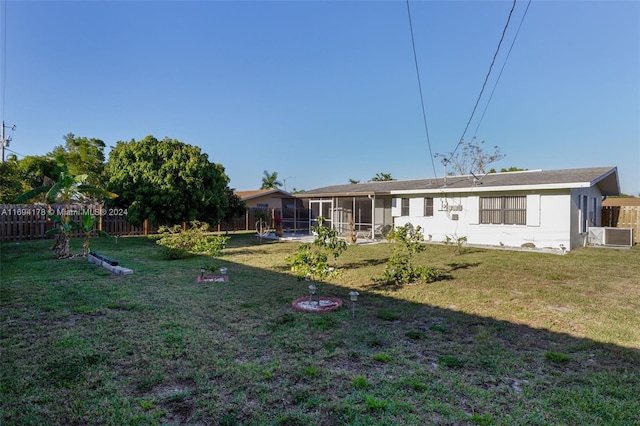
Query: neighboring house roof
[625, 201]
[606, 178]
[248, 195]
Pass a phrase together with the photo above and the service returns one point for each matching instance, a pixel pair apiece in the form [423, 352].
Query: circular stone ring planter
[317, 304]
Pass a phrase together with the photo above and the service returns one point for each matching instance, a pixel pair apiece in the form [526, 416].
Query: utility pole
[285, 182]
[6, 140]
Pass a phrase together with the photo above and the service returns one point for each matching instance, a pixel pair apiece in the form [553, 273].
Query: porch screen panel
[363, 213]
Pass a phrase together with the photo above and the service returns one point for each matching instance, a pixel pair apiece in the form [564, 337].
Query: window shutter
[473, 210]
[533, 210]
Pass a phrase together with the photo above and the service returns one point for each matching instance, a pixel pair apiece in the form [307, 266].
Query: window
[404, 207]
[508, 210]
[262, 206]
[428, 206]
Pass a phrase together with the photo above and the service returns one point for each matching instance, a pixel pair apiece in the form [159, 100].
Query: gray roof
[605, 177]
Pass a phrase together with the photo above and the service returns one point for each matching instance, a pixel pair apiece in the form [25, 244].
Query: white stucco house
[546, 209]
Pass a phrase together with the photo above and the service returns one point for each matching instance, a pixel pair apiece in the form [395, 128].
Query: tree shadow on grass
[502, 371]
[466, 265]
[363, 263]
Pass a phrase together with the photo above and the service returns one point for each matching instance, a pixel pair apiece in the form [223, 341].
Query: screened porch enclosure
[366, 213]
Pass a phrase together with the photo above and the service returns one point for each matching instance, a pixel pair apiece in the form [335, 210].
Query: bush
[317, 261]
[178, 243]
[400, 269]
[459, 242]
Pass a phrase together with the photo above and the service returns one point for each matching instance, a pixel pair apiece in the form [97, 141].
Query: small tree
[400, 268]
[87, 226]
[458, 241]
[66, 190]
[472, 158]
[317, 261]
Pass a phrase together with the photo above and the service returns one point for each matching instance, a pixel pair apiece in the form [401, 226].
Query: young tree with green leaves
[400, 268]
[83, 156]
[66, 190]
[317, 261]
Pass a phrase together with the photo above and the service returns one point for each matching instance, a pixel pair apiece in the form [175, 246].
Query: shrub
[399, 269]
[178, 243]
[317, 261]
[458, 241]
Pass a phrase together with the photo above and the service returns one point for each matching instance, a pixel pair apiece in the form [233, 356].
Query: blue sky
[326, 91]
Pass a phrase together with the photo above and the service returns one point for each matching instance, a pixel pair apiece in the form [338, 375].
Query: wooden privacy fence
[623, 217]
[31, 221]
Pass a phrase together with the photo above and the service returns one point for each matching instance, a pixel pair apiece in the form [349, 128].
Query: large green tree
[10, 181]
[168, 182]
[37, 170]
[83, 156]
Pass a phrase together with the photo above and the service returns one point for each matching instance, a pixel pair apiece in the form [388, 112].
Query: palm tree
[65, 190]
[270, 180]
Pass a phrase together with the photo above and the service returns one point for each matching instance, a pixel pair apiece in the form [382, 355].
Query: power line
[504, 31]
[424, 114]
[16, 153]
[502, 69]
[4, 53]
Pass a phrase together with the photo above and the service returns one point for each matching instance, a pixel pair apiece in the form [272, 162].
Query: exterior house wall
[547, 209]
[548, 219]
[273, 202]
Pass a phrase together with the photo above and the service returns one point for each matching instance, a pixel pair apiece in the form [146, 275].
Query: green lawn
[506, 337]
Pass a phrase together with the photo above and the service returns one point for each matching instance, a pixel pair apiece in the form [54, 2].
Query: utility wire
[424, 114]
[4, 54]
[504, 31]
[16, 153]
[502, 69]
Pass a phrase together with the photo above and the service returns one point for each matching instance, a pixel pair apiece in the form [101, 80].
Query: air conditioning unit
[606, 236]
